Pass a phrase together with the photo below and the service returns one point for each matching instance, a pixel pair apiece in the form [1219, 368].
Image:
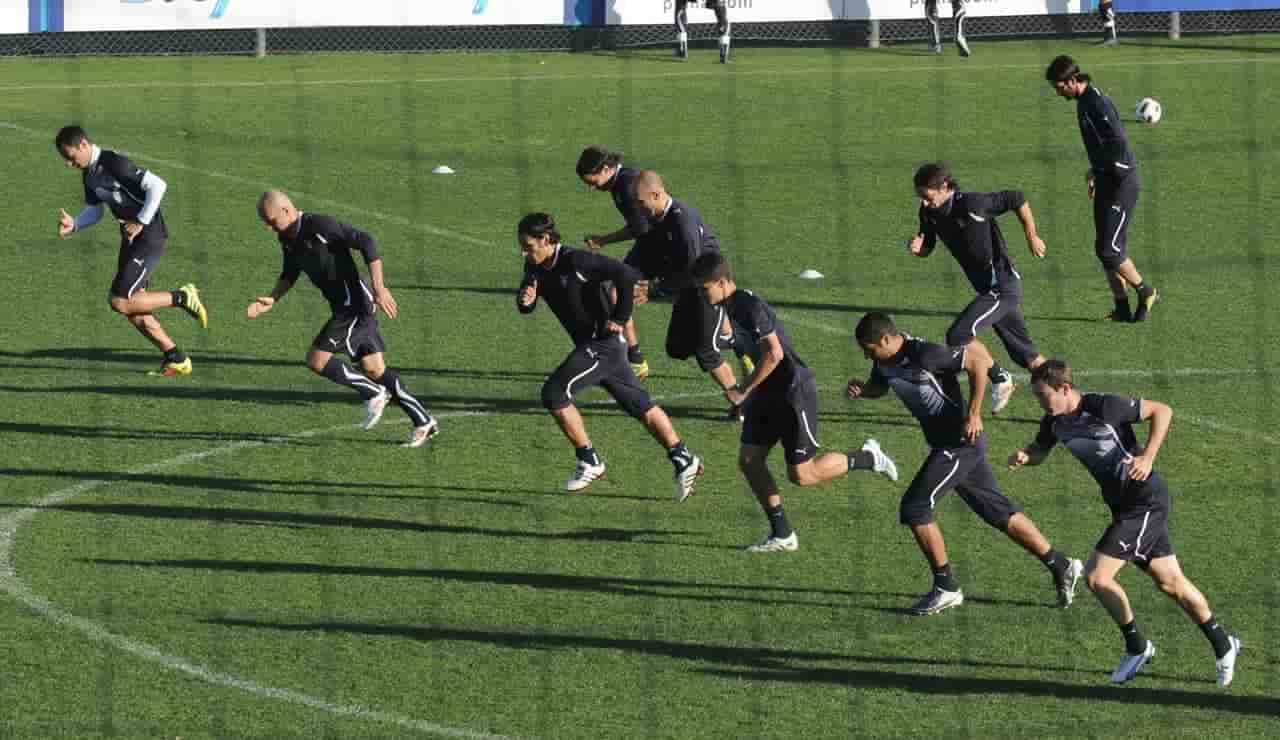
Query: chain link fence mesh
[563, 38]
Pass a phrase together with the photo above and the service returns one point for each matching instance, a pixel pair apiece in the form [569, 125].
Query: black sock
[1134, 642]
[413, 407]
[680, 456]
[861, 460]
[998, 374]
[634, 355]
[587, 455]
[175, 355]
[343, 374]
[179, 298]
[1122, 307]
[778, 523]
[1144, 290]
[1217, 636]
[944, 579]
[1056, 562]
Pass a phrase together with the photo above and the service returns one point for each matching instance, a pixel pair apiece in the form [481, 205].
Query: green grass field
[226, 555]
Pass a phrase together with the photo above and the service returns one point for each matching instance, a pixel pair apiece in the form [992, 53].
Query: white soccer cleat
[420, 435]
[686, 477]
[1227, 663]
[1067, 586]
[1001, 392]
[937, 600]
[1131, 664]
[374, 407]
[884, 464]
[790, 543]
[584, 475]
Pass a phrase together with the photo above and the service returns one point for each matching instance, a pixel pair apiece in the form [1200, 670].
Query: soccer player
[573, 283]
[112, 181]
[721, 8]
[1098, 430]
[935, 30]
[321, 247]
[1113, 184]
[602, 169]
[1110, 32]
[780, 402]
[923, 376]
[966, 223]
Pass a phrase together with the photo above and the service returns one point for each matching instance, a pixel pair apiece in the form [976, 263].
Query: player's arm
[597, 267]
[1039, 449]
[527, 293]
[977, 363]
[596, 241]
[288, 276]
[1105, 120]
[922, 244]
[869, 389]
[1160, 416]
[1014, 200]
[771, 355]
[363, 242]
[67, 225]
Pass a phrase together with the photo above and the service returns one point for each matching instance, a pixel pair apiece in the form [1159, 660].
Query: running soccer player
[721, 8]
[574, 284]
[133, 195]
[321, 247]
[935, 28]
[780, 404]
[923, 376]
[1098, 430]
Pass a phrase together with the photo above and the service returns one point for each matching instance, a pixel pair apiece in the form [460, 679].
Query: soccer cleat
[584, 475]
[682, 51]
[1118, 316]
[1130, 664]
[883, 463]
[419, 436]
[1001, 392]
[724, 53]
[1067, 582]
[937, 600]
[1227, 663]
[641, 369]
[747, 365]
[1145, 305]
[374, 407]
[935, 48]
[173, 369]
[686, 477]
[963, 45]
[790, 543]
[194, 306]
[1110, 41]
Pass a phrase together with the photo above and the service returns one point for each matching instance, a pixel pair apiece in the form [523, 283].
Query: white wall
[13, 17]
[628, 12]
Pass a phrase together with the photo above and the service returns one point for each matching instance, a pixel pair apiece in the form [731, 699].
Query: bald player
[321, 247]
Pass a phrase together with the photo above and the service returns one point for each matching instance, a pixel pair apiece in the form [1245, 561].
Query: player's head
[652, 193]
[878, 336]
[714, 276]
[597, 166]
[1065, 76]
[538, 237]
[934, 184]
[74, 146]
[277, 211]
[1051, 382]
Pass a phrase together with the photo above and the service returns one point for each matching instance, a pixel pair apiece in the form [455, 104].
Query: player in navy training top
[133, 196]
[1098, 430]
[721, 8]
[1113, 185]
[966, 224]
[575, 286]
[321, 246]
[923, 376]
[780, 405]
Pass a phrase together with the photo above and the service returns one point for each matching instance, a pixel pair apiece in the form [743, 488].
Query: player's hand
[387, 302]
[1036, 245]
[1018, 459]
[592, 241]
[131, 230]
[1140, 467]
[916, 245]
[529, 294]
[66, 224]
[642, 292]
[613, 327]
[972, 428]
[1093, 183]
[260, 306]
[735, 395]
[854, 388]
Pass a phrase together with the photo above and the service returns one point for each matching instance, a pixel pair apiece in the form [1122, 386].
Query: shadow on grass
[897, 311]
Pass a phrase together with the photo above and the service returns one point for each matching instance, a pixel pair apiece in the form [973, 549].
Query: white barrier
[13, 18]
[649, 12]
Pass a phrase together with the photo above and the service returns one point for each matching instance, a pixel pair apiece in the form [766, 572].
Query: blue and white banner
[648, 12]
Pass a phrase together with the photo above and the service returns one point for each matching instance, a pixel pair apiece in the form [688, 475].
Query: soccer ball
[1149, 110]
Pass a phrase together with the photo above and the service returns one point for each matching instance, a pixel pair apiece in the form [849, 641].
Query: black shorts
[694, 330]
[1003, 313]
[790, 418]
[1113, 202]
[354, 335]
[137, 262]
[965, 470]
[1142, 535]
[601, 362]
[645, 259]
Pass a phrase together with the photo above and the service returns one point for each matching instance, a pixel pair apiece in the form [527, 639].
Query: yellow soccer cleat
[194, 306]
[748, 366]
[641, 369]
[173, 369]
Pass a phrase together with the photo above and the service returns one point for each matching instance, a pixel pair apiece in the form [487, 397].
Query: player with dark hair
[721, 8]
[780, 403]
[133, 195]
[966, 224]
[935, 27]
[321, 246]
[574, 284]
[1098, 430]
[923, 376]
[1113, 184]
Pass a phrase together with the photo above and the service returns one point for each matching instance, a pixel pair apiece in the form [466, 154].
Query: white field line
[763, 72]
